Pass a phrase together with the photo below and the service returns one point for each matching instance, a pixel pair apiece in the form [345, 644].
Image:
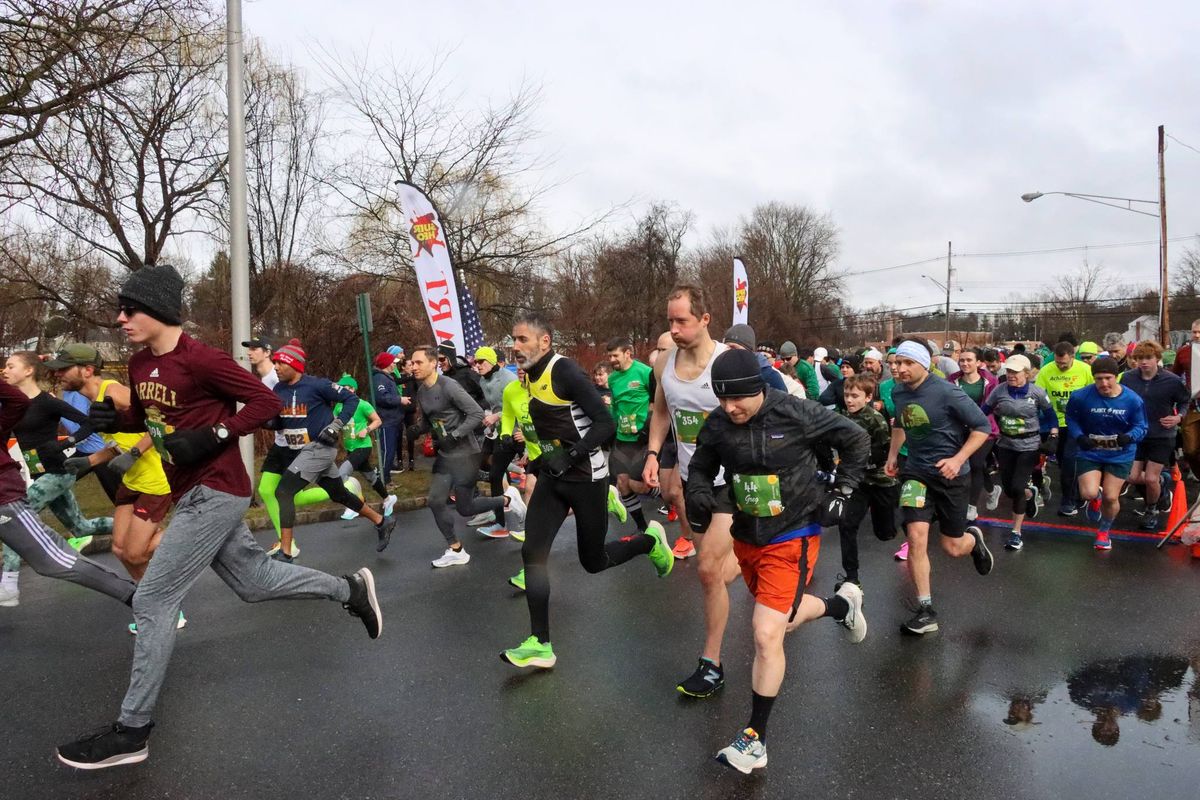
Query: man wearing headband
[780, 510]
[942, 428]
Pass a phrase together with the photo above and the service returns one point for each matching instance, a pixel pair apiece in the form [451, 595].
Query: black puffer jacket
[779, 440]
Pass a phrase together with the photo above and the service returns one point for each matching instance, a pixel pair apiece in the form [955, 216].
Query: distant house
[1142, 328]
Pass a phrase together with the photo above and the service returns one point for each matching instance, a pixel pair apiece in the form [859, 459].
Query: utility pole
[949, 272]
[1164, 320]
[239, 235]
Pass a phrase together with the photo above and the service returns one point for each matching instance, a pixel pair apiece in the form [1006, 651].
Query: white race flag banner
[431, 260]
[741, 294]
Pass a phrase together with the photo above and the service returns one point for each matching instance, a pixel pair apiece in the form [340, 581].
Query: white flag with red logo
[741, 294]
[431, 260]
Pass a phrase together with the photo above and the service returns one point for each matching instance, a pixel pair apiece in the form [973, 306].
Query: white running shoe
[275, 549]
[972, 513]
[389, 505]
[10, 596]
[451, 558]
[746, 754]
[514, 515]
[854, 623]
[347, 514]
[993, 501]
[482, 518]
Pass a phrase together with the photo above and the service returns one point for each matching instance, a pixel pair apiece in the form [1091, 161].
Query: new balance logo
[712, 677]
[154, 372]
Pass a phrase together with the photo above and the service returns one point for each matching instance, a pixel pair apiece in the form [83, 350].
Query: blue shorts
[1121, 469]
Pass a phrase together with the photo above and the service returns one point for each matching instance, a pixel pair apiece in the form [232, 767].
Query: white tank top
[689, 403]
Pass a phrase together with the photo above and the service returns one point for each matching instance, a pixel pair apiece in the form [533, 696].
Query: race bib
[530, 432]
[688, 424]
[1012, 426]
[158, 431]
[627, 424]
[439, 427]
[757, 495]
[295, 438]
[912, 494]
[33, 461]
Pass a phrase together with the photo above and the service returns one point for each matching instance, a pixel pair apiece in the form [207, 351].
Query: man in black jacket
[764, 439]
[458, 370]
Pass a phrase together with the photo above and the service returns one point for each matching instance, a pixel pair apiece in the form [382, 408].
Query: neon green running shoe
[660, 553]
[79, 542]
[615, 506]
[530, 653]
[518, 580]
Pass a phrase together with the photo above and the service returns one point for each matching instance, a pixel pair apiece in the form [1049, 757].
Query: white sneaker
[972, 513]
[389, 505]
[10, 596]
[854, 623]
[452, 558]
[514, 515]
[746, 754]
[482, 518]
[993, 500]
[275, 549]
[347, 514]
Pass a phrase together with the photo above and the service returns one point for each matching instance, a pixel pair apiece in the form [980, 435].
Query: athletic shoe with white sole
[1014, 541]
[112, 746]
[518, 581]
[514, 515]
[854, 623]
[493, 531]
[615, 506]
[389, 505]
[684, 548]
[706, 681]
[1031, 503]
[745, 753]
[980, 553]
[922, 622]
[518, 535]
[482, 518]
[660, 553]
[993, 500]
[363, 602]
[349, 514]
[180, 624]
[295, 549]
[10, 596]
[531, 653]
[384, 532]
[451, 558]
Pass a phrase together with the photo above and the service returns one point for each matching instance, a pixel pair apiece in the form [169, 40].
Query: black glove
[102, 416]
[330, 434]
[507, 442]
[1124, 439]
[124, 461]
[699, 504]
[556, 462]
[832, 509]
[1050, 445]
[190, 447]
[1085, 443]
[273, 424]
[77, 466]
[449, 441]
[413, 432]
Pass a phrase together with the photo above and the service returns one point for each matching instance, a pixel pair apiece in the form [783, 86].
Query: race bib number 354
[688, 424]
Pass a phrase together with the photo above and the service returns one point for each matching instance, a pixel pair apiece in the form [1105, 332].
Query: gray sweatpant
[49, 554]
[206, 530]
[459, 472]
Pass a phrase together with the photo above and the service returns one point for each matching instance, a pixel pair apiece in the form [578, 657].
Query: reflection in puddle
[1122, 686]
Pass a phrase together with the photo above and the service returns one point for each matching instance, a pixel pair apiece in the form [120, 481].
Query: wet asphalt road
[1035, 665]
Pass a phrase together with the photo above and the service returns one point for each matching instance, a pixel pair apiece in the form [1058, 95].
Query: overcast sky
[911, 123]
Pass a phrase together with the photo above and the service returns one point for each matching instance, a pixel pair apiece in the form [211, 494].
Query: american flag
[472, 329]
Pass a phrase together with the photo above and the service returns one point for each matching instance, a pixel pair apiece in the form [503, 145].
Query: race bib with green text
[757, 495]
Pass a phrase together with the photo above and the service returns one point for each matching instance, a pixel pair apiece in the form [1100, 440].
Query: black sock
[837, 607]
[639, 518]
[760, 709]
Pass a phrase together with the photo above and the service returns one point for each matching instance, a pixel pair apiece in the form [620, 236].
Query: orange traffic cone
[1179, 502]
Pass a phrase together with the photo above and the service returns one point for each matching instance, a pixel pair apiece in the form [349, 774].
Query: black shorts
[628, 458]
[1158, 451]
[724, 497]
[945, 502]
[279, 459]
[668, 457]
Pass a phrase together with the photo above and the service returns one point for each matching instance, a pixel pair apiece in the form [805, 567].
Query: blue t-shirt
[1090, 413]
[937, 417]
[92, 444]
[308, 407]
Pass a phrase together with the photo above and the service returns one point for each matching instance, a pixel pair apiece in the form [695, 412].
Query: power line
[1185, 144]
[888, 269]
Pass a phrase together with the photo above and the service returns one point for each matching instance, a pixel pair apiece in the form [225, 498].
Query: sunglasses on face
[128, 310]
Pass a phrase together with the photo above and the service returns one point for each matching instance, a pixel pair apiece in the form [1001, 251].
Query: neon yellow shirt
[146, 475]
[514, 412]
[1060, 384]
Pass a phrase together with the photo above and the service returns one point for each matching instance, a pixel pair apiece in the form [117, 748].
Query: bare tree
[134, 162]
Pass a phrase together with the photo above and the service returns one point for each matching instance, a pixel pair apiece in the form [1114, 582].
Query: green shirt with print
[630, 399]
[359, 422]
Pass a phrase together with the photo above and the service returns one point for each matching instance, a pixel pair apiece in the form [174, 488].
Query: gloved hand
[273, 424]
[413, 431]
[699, 503]
[449, 441]
[1124, 439]
[330, 434]
[1085, 443]
[556, 462]
[1050, 445]
[832, 509]
[190, 447]
[78, 466]
[507, 441]
[124, 461]
[102, 416]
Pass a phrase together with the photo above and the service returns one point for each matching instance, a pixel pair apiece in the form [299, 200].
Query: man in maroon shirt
[22, 529]
[185, 395]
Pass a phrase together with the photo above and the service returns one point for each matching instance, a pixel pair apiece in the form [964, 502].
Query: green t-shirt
[1060, 384]
[630, 399]
[973, 390]
[359, 422]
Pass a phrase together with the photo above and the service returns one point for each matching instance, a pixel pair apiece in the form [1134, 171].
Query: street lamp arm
[1099, 199]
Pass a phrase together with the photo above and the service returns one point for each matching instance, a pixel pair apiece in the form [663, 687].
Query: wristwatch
[652, 453]
[222, 433]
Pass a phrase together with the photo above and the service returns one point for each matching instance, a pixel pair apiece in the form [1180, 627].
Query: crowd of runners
[753, 450]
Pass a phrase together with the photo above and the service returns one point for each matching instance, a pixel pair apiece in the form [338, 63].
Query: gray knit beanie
[157, 290]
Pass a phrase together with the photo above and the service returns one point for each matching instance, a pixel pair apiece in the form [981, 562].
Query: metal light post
[239, 233]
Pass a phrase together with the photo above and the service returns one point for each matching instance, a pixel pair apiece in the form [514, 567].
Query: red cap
[384, 360]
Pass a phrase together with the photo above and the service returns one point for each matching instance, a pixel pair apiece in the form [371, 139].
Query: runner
[776, 529]
[878, 492]
[942, 428]
[977, 383]
[803, 366]
[1018, 405]
[1187, 366]
[631, 383]
[144, 496]
[310, 434]
[1107, 421]
[515, 423]
[258, 351]
[1060, 378]
[682, 400]
[1165, 398]
[496, 456]
[24, 534]
[1087, 352]
[186, 395]
[356, 439]
[453, 417]
[1114, 346]
[391, 408]
[571, 423]
[670, 485]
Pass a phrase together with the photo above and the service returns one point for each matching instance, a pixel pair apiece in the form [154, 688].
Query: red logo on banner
[739, 294]
[425, 231]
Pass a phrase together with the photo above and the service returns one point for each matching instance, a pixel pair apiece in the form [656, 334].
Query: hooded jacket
[776, 451]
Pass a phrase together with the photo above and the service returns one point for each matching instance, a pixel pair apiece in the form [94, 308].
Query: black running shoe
[923, 622]
[279, 555]
[108, 747]
[411, 465]
[1031, 505]
[980, 553]
[384, 531]
[363, 603]
[704, 682]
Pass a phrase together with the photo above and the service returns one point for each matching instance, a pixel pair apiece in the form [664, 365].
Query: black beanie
[156, 290]
[448, 350]
[736, 373]
[1106, 365]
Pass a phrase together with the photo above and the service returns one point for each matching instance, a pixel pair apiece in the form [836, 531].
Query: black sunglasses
[128, 310]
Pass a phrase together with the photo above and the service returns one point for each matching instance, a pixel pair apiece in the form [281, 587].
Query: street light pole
[1164, 324]
[949, 272]
[239, 234]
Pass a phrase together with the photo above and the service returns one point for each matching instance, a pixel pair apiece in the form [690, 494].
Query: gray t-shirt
[1018, 418]
[448, 410]
[936, 417]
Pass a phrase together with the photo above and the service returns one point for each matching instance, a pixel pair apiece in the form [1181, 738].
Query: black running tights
[290, 484]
